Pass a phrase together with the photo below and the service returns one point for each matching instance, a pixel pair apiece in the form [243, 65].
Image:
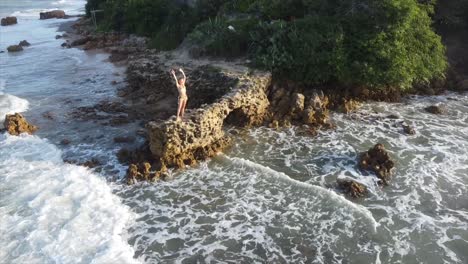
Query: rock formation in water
[14, 48]
[408, 129]
[435, 109]
[52, 14]
[7, 21]
[377, 160]
[24, 43]
[352, 188]
[202, 134]
[16, 124]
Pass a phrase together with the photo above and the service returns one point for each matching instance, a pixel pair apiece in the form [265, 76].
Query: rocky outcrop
[144, 172]
[348, 106]
[24, 43]
[7, 21]
[435, 109]
[378, 161]
[14, 48]
[52, 14]
[292, 105]
[352, 188]
[177, 143]
[16, 124]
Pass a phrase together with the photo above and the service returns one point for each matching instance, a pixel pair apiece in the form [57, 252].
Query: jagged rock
[435, 109]
[178, 144]
[7, 21]
[349, 105]
[52, 14]
[80, 41]
[65, 45]
[14, 48]
[274, 124]
[298, 104]
[316, 112]
[58, 36]
[16, 124]
[143, 172]
[24, 43]
[408, 129]
[352, 188]
[378, 161]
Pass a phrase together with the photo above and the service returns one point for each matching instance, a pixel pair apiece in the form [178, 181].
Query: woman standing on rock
[180, 83]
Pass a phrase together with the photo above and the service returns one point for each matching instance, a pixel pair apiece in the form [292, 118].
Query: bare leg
[184, 104]
[179, 108]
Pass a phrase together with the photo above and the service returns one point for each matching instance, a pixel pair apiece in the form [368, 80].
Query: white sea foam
[53, 212]
[329, 194]
[10, 104]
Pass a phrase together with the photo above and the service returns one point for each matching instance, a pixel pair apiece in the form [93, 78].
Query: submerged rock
[52, 14]
[14, 48]
[24, 43]
[144, 171]
[377, 160]
[7, 21]
[435, 109]
[408, 129]
[352, 188]
[16, 124]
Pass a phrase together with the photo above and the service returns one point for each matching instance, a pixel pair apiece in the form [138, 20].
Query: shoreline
[148, 85]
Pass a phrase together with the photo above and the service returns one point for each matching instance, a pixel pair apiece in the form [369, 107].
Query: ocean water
[270, 198]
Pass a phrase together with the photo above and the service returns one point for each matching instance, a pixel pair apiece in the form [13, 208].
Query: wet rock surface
[24, 43]
[14, 48]
[16, 124]
[8, 21]
[435, 109]
[352, 188]
[202, 135]
[377, 160]
[52, 14]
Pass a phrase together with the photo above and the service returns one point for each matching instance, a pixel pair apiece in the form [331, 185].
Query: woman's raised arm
[183, 73]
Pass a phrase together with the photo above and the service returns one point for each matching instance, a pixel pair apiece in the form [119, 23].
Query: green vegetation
[374, 43]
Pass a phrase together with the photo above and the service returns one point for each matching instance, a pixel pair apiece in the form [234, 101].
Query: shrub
[307, 50]
[220, 37]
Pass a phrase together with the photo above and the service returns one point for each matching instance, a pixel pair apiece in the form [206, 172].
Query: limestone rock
[24, 43]
[316, 112]
[7, 21]
[349, 105]
[14, 48]
[298, 103]
[435, 109]
[16, 124]
[352, 188]
[52, 14]
[378, 161]
[80, 41]
[178, 144]
[143, 172]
